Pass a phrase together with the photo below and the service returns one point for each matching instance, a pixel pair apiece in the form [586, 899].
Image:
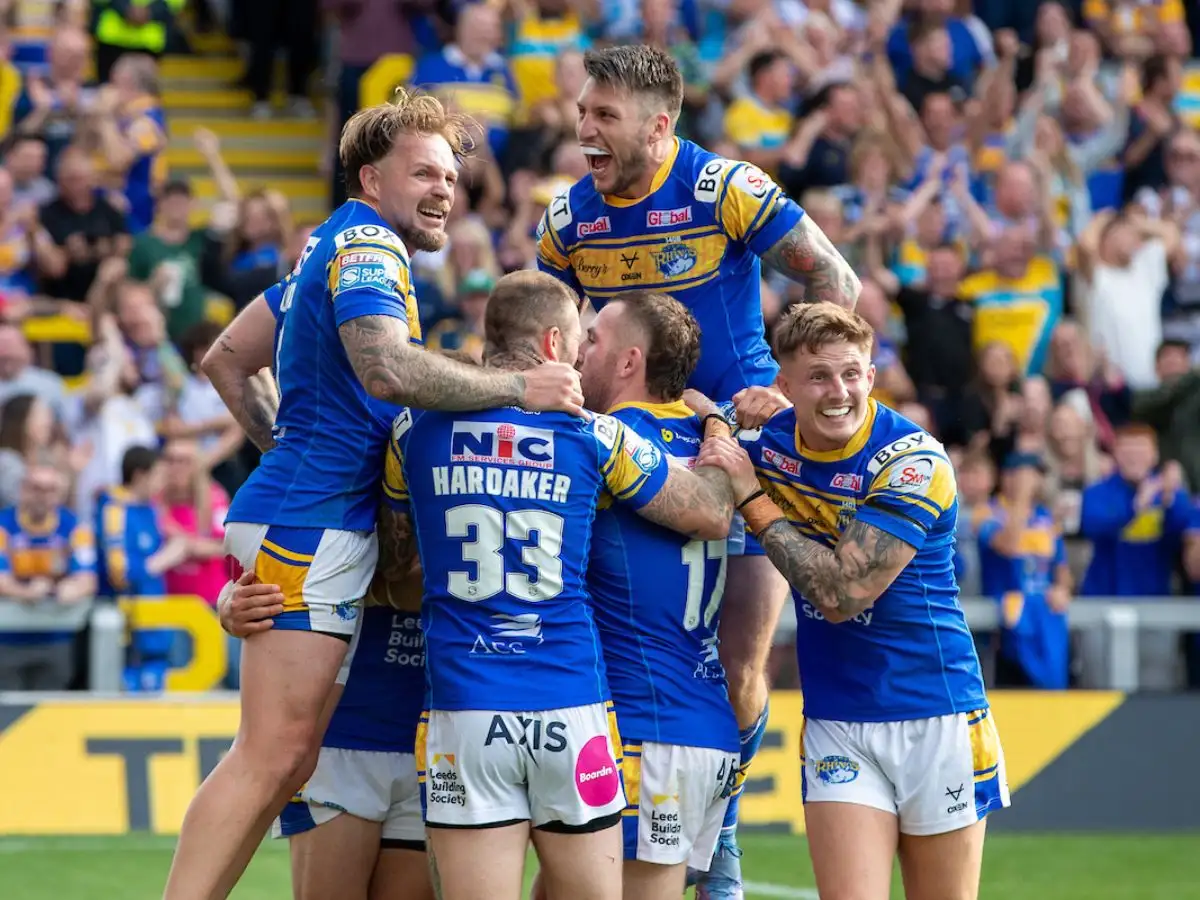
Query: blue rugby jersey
[697, 236]
[657, 597]
[502, 503]
[323, 471]
[911, 655]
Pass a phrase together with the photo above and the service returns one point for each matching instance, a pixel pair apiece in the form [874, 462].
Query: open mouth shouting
[599, 160]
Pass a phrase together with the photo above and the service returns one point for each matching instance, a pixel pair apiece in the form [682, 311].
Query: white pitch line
[762, 889]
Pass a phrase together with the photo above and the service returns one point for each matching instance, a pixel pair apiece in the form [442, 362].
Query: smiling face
[413, 188]
[828, 386]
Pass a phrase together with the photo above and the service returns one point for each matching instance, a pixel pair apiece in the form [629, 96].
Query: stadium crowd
[1017, 184]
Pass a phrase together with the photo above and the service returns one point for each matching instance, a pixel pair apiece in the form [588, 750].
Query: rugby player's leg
[943, 866]
[581, 862]
[478, 863]
[402, 873]
[650, 881]
[852, 849]
[755, 592]
[286, 681]
[335, 860]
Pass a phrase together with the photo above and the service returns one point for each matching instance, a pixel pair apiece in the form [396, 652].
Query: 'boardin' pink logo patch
[596, 773]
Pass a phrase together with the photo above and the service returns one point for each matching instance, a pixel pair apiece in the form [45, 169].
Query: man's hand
[551, 387]
[1058, 598]
[727, 455]
[247, 606]
[755, 405]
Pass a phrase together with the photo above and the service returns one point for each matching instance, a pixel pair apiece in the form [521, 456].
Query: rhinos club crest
[674, 258]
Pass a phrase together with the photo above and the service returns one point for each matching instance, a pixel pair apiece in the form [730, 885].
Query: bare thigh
[650, 881]
[581, 866]
[334, 861]
[943, 866]
[852, 848]
[478, 863]
[401, 875]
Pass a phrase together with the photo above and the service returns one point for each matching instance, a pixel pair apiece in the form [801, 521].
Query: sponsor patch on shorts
[596, 776]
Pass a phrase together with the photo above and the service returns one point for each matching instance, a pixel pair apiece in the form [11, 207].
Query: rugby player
[518, 739]
[656, 596]
[661, 213]
[857, 507]
[355, 830]
[340, 333]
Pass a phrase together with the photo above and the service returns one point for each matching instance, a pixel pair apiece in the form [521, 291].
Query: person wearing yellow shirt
[759, 123]
[1139, 28]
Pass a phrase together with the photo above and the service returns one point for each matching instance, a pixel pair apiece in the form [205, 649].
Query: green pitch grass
[1024, 867]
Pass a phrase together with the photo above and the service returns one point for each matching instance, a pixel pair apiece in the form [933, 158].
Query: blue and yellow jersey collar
[853, 446]
[676, 410]
[48, 525]
[659, 179]
[135, 108]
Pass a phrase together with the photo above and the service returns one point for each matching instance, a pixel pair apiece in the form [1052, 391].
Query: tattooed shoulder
[807, 256]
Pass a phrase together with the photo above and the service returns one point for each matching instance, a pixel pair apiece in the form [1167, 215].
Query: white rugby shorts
[936, 775]
[676, 802]
[378, 787]
[323, 573]
[480, 768]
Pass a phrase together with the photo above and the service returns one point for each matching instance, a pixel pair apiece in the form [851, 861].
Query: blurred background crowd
[1017, 182]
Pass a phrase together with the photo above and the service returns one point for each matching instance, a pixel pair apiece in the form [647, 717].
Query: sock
[751, 739]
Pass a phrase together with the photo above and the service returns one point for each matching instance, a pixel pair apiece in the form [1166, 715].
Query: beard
[422, 239]
[597, 388]
[627, 168]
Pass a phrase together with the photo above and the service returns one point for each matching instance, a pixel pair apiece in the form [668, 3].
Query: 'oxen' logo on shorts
[836, 769]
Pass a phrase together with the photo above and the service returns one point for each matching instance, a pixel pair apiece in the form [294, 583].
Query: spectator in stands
[474, 73]
[1152, 124]
[464, 331]
[132, 26]
[976, 476]
[85, 228]
[194, 507]
[1172, 409]
[46, 556]
[25, 160]
[1072, 365]
[19, 232]
[135, 555]
[1023, 564]
[1139, 29]
[1018, 299]
[274, 25]
[168, 256]
[248, 262]
[931, 72]
[133, 136]
[1125, 260]
[1191, 567]
[1074, 461]
[27, 430]
[158, 368]
[819, 153]
[759, 122]
[201, 415]
[53, 106]
[992, 402]
[1135, 519]
[893, 385]
[18, 374]
[542, 30]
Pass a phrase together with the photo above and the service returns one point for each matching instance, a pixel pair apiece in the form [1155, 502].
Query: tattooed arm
[234, 363]
[397, 582]
[846, 580]
[696, 502]
[808, 257]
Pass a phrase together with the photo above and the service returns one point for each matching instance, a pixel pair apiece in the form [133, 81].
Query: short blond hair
[371, 133]
[811, 326]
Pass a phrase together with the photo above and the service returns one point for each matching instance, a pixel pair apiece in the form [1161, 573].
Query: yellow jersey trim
[853, 446]
[655, 183]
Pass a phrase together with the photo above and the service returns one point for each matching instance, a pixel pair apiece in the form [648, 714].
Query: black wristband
[720, 418]
[754, 496]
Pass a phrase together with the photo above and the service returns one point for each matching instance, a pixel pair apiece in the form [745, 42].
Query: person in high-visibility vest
[121, 26]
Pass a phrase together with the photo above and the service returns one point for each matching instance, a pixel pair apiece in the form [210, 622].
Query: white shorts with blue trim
[323, 573]
[936, 775]
[378, 787]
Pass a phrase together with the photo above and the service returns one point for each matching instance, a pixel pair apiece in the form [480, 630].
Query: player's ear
[552, 344]
[662, 127]
[368, 177]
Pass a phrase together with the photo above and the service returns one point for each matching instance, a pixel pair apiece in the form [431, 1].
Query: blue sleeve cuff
[896, 525]
[355, 304]
[783, 220]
